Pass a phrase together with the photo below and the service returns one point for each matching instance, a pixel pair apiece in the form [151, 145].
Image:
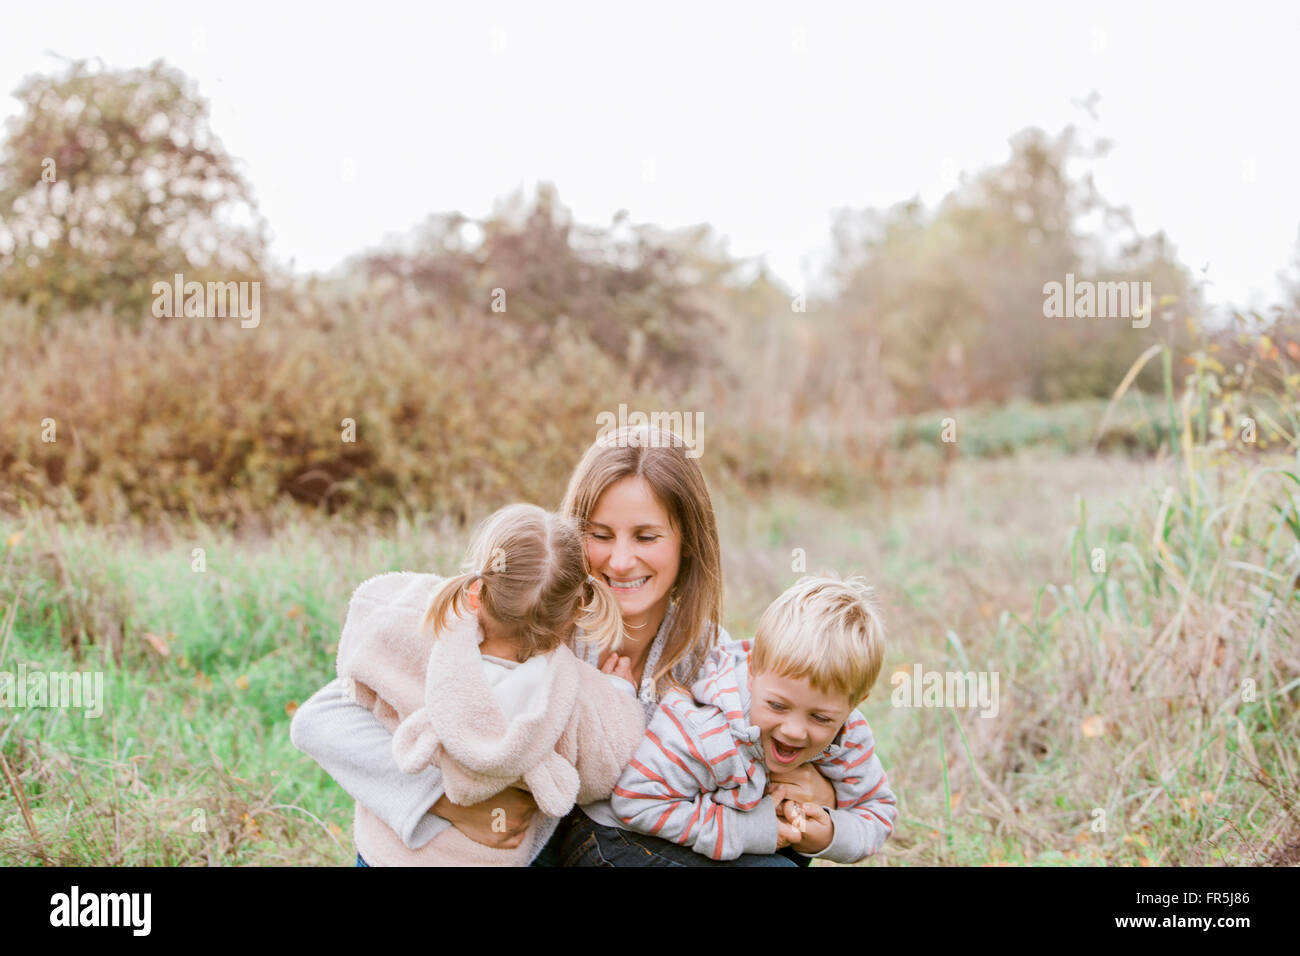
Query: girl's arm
[354, 748]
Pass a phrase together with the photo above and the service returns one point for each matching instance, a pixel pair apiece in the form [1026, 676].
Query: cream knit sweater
[567, 745]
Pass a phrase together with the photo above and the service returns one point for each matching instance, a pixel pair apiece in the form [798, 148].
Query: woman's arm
[354, 748]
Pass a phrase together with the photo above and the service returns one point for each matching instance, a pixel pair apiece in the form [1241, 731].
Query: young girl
[502, 701]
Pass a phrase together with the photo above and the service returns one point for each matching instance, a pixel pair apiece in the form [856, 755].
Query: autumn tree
[112, 180]
[640, 294]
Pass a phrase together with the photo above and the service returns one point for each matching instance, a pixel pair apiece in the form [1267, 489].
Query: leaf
[159, 644]
[291, 708]
[242, 682]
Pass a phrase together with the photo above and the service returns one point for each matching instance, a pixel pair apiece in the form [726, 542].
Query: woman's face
[633, 546]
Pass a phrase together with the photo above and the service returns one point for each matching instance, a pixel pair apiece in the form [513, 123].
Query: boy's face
[797, 721]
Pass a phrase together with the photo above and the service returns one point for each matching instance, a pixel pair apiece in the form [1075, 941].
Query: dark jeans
[587, 843]
[551, 853]
[579, 841]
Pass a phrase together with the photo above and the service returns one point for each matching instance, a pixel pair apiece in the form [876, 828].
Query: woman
[650, 534]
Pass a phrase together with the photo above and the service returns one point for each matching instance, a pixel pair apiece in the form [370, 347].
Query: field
[1126, 731]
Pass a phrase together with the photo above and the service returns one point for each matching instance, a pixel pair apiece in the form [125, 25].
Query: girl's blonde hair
[659, 457]
[532, 574]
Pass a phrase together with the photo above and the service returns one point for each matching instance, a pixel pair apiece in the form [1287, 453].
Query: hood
[723, 683]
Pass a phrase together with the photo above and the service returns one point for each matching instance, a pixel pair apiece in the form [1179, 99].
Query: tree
[638, 293]
[956, 295]
[112, 181]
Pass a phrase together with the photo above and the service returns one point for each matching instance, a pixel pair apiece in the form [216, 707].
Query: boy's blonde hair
[826, 631]
[532, 575]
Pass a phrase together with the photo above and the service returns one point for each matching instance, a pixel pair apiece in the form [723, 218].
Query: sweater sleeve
[668, 791]
[865, 808]
[610, 723]
[355, 749]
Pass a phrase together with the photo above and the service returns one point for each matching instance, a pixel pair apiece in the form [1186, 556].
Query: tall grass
[1150, 700]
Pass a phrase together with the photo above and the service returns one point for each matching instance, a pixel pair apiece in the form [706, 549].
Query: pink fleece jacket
[434, 697]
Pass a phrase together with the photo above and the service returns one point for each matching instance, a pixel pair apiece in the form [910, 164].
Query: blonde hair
[826, 631]
[659, 457]
[533, 580]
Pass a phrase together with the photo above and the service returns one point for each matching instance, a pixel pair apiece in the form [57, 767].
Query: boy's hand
[786, 832]
[818, 832]
[794, 815]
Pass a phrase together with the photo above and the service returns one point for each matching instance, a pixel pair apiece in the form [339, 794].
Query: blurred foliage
[633, 291]
[1070, 427]
[954, 297]
[474, 356]
[112, 181]
[452, 416]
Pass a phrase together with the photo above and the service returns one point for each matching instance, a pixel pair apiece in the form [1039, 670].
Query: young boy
[700, 776]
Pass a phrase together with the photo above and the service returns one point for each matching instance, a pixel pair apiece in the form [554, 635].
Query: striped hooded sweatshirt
[698, 776]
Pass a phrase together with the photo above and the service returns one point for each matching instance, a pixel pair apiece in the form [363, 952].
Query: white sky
[356, 120]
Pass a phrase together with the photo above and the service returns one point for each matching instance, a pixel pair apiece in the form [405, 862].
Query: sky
[355, 121]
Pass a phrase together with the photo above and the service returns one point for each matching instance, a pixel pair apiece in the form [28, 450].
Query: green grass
[196, 725]
[987, 431]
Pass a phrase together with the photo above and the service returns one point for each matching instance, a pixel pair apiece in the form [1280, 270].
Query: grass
[1148, 708]
[1071, 427]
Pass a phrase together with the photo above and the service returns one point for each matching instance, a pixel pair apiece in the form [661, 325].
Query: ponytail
[601, 619]
[449, 599]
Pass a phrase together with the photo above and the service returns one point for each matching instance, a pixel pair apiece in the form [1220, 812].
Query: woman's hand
[788, 832]
[804, 784]
[483, 823]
